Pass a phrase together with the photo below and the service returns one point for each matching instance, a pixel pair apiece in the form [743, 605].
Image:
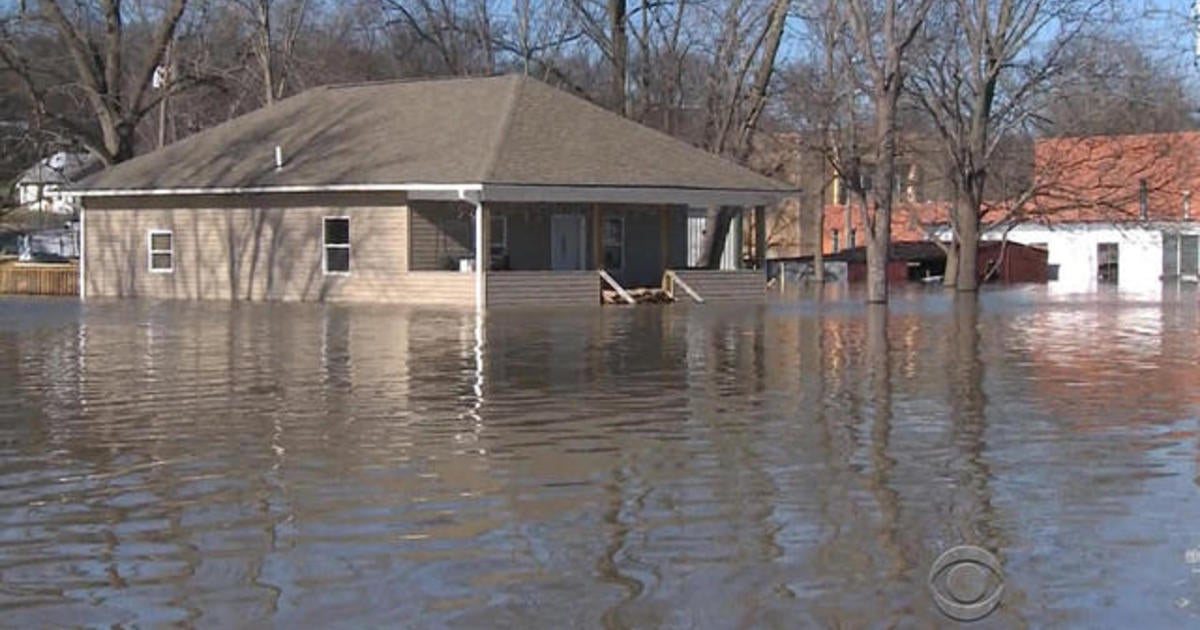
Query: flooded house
[481, 191]
[1114, 210]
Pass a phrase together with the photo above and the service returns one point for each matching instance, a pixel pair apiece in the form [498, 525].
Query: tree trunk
[716, 230]
[879, 230]
[877, 259]
[265, 54]
[819, 242]
[620, 55]
[968, 247]
[950, 274]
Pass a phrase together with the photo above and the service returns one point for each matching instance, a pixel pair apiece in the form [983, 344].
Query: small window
[161, 251]
[614, 243]
[337, 245]
[835, 240]
[853, 239]
[499, 236]
[1107, 262]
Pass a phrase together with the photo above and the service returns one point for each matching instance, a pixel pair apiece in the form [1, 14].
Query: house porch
[551, 253]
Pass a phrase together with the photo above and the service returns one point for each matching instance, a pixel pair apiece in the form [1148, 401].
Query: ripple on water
[799, 464]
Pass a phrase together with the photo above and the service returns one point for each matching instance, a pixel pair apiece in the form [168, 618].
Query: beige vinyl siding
[723, 286]
[260, 253]
[543, 288]
[442, 233]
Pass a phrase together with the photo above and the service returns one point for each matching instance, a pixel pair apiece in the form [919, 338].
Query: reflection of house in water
[1121, 363]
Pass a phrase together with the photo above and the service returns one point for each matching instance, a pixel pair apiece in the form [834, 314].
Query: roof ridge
[506, 118]
[408, 80]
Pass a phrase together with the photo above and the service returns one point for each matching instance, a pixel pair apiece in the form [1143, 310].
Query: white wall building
[1136, 258]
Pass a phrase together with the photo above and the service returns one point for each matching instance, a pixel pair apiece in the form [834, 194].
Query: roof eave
[666, 195]
[525, 193]
[417, 190]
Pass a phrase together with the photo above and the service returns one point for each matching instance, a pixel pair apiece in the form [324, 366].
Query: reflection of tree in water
[879, 377]
[968, 404]
[722, 363]
[974, 518]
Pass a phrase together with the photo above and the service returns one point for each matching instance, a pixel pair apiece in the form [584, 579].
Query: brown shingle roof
[498, 130]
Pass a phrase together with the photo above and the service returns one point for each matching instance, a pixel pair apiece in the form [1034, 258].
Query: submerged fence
[39, 279]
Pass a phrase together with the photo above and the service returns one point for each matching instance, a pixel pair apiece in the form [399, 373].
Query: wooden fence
[39, 279]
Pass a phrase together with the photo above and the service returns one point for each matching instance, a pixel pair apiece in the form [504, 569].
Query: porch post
[482, 256]
[760, 238]
[597, 236]
[664, 238]
[82, 251]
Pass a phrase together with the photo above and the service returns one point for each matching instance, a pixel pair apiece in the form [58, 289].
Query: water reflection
[797, 464]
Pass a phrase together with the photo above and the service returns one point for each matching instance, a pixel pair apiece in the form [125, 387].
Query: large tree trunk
[879, 223]
[950, 274]
[716, 230]
[877, 259]
[968, 246]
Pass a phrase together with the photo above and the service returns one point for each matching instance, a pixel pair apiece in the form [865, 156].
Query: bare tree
[884, 31]
[116, 95]
[994, 58]
[274, 45]
[738, 91]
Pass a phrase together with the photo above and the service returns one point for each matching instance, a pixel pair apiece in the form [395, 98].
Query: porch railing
[672, 280]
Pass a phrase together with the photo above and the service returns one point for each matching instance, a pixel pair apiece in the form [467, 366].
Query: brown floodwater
[795, 464]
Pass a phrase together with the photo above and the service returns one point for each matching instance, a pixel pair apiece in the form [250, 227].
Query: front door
[566, 242]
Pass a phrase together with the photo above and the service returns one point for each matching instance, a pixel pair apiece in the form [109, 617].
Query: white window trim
[604, 241]
[325, 246]
[492, 233]
[150, 251]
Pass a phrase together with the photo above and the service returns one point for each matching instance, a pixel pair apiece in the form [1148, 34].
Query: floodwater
[797, 464]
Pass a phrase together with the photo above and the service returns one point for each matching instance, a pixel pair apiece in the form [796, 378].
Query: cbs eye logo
[967, 583]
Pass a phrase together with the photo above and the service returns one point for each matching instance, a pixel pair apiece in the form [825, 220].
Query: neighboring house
[1115, 210]
[484, 191]
[38, 188]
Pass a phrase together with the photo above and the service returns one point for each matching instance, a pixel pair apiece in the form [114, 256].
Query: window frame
[1108, 267]
[151, 252]
[604, 244]
[325, 245]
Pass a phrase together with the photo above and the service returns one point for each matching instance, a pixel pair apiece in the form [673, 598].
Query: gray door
[566, 242]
